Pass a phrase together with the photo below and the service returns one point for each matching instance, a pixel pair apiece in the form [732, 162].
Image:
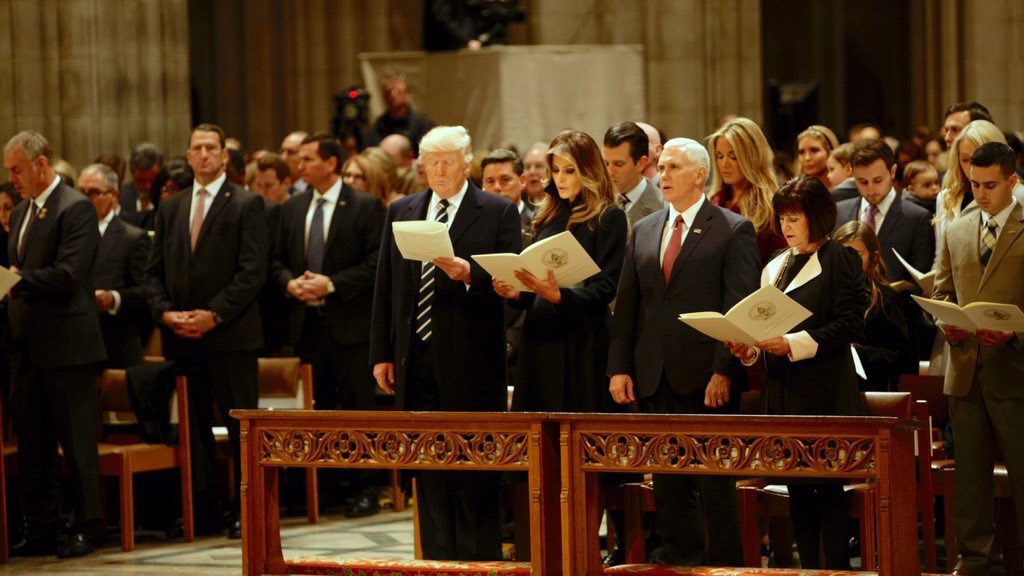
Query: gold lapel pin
[227, 194]
[42, 213]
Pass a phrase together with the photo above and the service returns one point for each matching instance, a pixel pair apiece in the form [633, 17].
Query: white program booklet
[765, 314]
[926, 280]
[562, 253]
[975, 316]
[7, 281]
[422, 240]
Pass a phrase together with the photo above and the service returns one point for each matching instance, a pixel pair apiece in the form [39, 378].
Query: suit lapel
[42, 219]
[219, 202]
[809, 272]
[416, 210]
[17, 219]
[1009, 235]
[701, 225]
[648, 246]
[297, 239]
[340, 213]
[892, 219]
[110, 238]
[467, 214]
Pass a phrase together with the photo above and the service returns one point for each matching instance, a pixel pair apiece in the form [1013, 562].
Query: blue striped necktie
[425, 297]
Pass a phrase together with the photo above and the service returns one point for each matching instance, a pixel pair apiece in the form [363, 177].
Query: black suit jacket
[121, 266]
[831, 286]
[223, 275]
[716, 268]
[846, 190]
[129, 197]
[468, 342]
[53, 309]
[907, 227]
[350, 260]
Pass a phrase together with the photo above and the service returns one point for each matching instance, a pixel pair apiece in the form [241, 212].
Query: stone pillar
[95, 76]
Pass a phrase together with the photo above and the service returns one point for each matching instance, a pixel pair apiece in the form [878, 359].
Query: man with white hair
[691, 256]
[290, 152]
[437, 337]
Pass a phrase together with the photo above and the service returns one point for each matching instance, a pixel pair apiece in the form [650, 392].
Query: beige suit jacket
[961, 278]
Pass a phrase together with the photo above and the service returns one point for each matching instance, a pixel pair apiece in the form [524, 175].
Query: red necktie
[672, 250]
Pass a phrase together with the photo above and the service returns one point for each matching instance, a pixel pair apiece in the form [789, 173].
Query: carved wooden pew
[392, 440]
[775, 446]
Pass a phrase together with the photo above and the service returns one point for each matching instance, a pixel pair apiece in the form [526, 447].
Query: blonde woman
[813, 147]
[364, 174]
[744, 181]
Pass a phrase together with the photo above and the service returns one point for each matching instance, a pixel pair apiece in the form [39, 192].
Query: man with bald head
[653, 152]
[119, 273]
[399, 148]
[290, 152]
[57, 347]
[437, 338]
[691, 256]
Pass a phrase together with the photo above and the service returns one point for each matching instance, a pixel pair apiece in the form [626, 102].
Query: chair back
[114, 403]
[889, 404]
[929, 389]
[285, 384]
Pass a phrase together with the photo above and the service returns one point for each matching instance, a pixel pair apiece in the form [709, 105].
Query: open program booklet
[926, 280]
[976, 315]
[764, 314]
[562, 253]
[7, 281]
[422, 240]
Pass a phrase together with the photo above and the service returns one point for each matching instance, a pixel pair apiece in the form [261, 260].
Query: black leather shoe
[364, 506]
[235, 528]
[77, 544]
[616, 557]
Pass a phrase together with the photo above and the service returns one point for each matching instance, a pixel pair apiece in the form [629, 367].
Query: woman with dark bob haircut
[810, 371]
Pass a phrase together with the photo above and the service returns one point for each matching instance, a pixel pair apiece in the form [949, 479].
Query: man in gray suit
[503, 175]
[982, 260]
[625, 155]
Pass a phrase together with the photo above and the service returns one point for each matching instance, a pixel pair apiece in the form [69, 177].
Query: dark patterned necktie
[315, 243]
[425, 297]
[988, 240]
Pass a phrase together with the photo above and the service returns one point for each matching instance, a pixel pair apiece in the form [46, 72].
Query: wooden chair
[123, 455]
[863, 497]
[286, 384]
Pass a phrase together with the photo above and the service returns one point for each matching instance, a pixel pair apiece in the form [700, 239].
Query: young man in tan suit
[982, 260]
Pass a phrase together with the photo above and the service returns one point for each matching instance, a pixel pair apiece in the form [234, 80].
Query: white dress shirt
[330, 203]
[212, 189]
[1000, 219]
[688, 216]
[883, 208]
[40, 201]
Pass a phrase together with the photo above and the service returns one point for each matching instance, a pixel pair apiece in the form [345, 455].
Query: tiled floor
[386, 535]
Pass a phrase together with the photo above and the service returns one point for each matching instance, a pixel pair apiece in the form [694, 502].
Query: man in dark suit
[57, 346]
[437, 336]
[900, 225]
[691, 256]
[981, 261]
[326, 260]
[625, 154]
[208, 261]
[119, 272]
[144, 163]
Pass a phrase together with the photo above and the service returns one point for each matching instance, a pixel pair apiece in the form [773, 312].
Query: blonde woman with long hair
[744, 180]
[565, 329]
[813, 147]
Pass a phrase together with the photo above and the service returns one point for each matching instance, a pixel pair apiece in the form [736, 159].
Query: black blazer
[53, 308]
[468, 342]
[831, 286]
[350, 260]
[556, 371]
[907, 228]
[121, 266]
[716, 268]
[223, 275]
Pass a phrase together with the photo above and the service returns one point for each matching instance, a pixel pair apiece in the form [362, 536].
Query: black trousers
[686, 505]
[342, 380]
[51, 406]
[460, 512]
[821, 519]
[231, 379]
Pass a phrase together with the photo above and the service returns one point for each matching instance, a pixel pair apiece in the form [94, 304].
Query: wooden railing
[562, 453]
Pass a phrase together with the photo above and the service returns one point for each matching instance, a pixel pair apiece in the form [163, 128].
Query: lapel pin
[697, 230]
[343, 202]
[42, 213]
[227, 194]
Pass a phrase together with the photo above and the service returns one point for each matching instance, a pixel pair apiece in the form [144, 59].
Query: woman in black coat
[566, 330]
[886, 346]
[810, 371]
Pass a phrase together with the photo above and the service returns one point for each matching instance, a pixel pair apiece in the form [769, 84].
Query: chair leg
[926, 505]
[750, 528]
[868, 531]
[633, 537]
[417, 543]
[950, 535]
[312, 496]
[127, 506]
[397, 494]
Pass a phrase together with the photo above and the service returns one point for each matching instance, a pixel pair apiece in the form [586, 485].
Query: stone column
[95, 76]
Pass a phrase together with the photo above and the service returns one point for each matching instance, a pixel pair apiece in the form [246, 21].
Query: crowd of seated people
[232, 255]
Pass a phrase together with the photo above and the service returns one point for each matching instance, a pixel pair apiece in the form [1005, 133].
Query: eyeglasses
[94, 192]
[352, 176]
